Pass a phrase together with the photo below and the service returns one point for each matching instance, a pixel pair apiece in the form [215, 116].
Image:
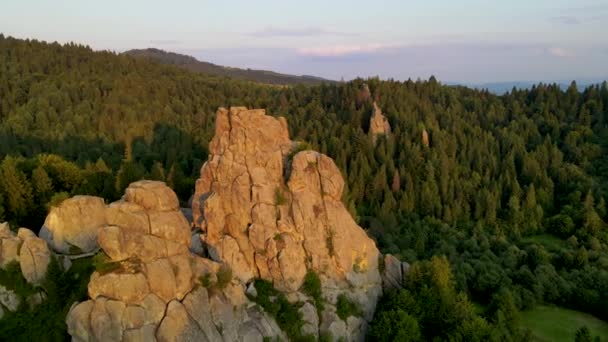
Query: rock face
[275, 216]
[147, 283]
[425, 138]
[393, 275]
[378, 124]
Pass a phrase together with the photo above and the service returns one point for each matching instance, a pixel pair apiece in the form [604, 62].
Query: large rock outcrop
[147, 286]
[274, 215]
[378, 123]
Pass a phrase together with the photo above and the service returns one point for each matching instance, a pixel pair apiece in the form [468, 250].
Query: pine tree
[16, 187]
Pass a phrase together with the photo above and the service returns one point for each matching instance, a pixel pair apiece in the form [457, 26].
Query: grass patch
[550, 242]
[346, 308]
[556, 324]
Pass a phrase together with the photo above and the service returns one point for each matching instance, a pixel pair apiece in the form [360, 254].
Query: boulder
[311, 320]
[9, 245]
[177, 326]
[152, 195]
[9, 300]
[393, 275]
[71, 227]
[34, 257]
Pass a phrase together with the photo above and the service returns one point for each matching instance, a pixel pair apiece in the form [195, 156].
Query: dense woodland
[504, 208]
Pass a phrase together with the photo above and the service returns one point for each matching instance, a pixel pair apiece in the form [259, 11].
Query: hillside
[497, 200]
[192, 64]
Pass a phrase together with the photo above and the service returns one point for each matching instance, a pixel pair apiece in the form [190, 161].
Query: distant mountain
[192, 64]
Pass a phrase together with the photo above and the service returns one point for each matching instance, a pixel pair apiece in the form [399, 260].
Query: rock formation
[425, 138]
[147, 286]
[394, 272]
[276, 216]
[260, 211]
[30, 253]
[378, 124]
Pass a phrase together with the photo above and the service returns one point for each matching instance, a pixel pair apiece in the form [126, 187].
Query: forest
[502, 208]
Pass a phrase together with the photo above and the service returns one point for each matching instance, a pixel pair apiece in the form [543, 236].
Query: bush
[205, 280]
[312, 288]
[224, 276]
[286, 314]
[12, 278]
[46, 322]
[103, 264]
[279, 197]
[346, 308]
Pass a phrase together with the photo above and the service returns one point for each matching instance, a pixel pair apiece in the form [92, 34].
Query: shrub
[312, 287]
[12, 278]
[329, 241]
[279, 197]
[205, 280]
[103, 264]
[346, 308]
[224, 276]
[286, 314]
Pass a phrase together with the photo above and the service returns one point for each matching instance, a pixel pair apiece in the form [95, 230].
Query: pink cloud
[343, 50]
[560, 52]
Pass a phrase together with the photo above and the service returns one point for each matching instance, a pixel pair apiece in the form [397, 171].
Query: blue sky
[457, 41]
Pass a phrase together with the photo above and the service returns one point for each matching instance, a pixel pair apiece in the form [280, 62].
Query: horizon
[470, 42]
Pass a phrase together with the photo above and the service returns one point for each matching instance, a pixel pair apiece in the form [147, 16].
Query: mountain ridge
[192, 64]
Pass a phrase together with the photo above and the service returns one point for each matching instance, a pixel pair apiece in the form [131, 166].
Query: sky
[467, 41]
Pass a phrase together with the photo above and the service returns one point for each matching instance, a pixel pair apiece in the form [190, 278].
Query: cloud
[165, 42]
[560, 52]
[298, 32]
[566, 20]
[343, 50]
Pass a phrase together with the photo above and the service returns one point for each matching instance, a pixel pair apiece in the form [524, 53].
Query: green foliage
[431, 305]
[12, 278]
[582, 335]
[394, 325]
[46, 321]
[103, 264]
[312, 287]
[276, 304]
[57, 198]
[542, 323]
[224, 276]
[346, 308]
[205, 280]
[279, 197]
